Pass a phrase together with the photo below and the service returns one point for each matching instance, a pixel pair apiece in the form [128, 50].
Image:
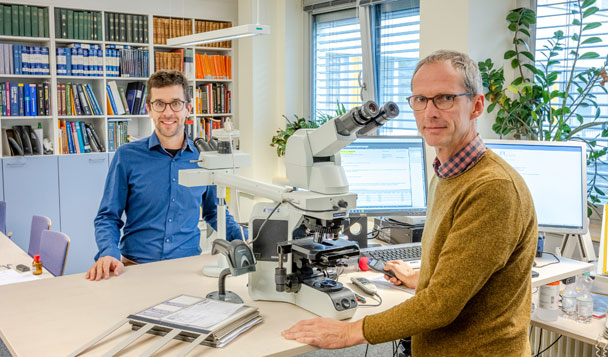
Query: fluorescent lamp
[226, 34]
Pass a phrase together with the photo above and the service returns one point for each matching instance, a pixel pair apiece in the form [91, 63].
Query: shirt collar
[464, 159]
[153, 143]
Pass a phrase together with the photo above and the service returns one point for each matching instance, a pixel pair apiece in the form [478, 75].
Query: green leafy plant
[534, 106]
[279, 141]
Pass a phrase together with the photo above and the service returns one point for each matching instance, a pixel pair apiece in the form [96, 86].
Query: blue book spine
[80, 139]
[16, 69]
[26, 100]
[83, 132]
[25, 59]
[116, 63]
[112, 103]
[38, 60]
[131, 101]
[68, 62]
[100, 62]
[61, 61]
[68, 129]
[14, 97]
[33, 100]
[20, 99]
[91, 95]
[111, 142]
[44, 53]
[108, 62]
[77, 62]
[86, 69]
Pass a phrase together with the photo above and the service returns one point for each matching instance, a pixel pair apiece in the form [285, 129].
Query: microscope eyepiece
[388, 111]
[357, 117]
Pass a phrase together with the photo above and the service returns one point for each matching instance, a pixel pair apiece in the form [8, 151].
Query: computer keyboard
[408, 252]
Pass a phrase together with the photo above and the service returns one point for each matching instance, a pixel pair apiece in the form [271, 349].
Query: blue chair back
[3, 217]
[54, 248]
[39, 224]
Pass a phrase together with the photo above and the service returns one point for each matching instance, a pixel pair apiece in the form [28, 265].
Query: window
[342, 38]
[337, 61]
[553, 15]
[397, 39]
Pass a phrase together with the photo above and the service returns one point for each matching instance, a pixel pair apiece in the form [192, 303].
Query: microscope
[295, 238]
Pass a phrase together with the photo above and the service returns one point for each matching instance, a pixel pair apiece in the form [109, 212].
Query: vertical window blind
[337, 61]
[554, 15]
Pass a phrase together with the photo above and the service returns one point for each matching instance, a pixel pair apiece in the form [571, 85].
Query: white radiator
[565, 347]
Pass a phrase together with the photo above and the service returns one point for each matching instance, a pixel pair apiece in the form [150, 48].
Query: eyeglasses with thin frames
[176, 105]
[441, 101]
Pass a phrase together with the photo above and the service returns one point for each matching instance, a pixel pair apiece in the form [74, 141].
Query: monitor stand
[581, 241]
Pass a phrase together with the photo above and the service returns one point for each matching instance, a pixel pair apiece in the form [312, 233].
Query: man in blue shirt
[162, 216]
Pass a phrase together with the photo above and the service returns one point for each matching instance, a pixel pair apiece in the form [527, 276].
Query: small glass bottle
[548, 308]
[584, 301]
[36, 265]
[569, 301]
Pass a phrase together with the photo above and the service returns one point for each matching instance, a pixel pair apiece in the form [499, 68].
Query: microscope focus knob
[345, 303]
[342, 204]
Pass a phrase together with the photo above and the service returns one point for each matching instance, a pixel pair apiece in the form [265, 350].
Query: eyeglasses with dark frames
[159, 106]
[441, 101]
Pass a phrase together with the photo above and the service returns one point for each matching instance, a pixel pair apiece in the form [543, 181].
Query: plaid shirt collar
[462, 160]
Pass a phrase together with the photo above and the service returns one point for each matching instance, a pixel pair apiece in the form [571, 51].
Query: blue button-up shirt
[162, 216]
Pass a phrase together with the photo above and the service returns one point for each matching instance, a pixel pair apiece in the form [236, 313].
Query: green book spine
[88, 24]
[76, 25]
[68, 98]
[64, 23]
[81, 24]
[110, 27]
[58, 33]
[27, 20]
[99, 28]
[130, 28]
[94, 27]
[35, 22]
[123, 28]
[71, 24]
[40, 22]
[145, 29]
[136, 27]
[7, 20]
[21, 20]
[46, 22]
[15, 20]
[107, 28]
[1, 19]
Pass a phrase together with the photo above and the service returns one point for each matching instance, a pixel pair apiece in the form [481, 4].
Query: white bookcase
[139, 125]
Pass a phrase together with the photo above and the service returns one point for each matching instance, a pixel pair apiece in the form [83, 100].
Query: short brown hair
[165, 78]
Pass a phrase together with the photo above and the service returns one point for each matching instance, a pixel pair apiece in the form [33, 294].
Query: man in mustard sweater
[473, 289]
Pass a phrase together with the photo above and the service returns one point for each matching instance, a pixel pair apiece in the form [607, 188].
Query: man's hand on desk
[103, 267]
[326, 333]
[405, 274]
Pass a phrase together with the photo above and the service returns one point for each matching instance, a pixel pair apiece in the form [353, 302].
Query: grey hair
[462, 62]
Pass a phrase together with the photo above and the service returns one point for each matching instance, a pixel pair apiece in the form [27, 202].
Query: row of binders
[122, 101]
[21, 140]
[126, 61]
[212, 98]
[126, 28]
[24, 20]
[28, 60]
[80, 59]
[78, 137]
[117, 134]
[213, 67]
[24, 99]
[79, 25]
[77, 99]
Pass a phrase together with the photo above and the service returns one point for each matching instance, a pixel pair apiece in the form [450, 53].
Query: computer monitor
[388, 175]
[556, 175]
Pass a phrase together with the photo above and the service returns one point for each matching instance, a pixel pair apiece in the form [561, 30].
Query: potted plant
[280, 139]
[534, 106]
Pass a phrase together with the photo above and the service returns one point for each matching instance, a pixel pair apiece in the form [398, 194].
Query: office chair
[39, 224]
[54, 248]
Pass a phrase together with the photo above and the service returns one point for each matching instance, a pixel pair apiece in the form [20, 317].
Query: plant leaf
[592, 25]
[514, 63]
[510, 54]
[525, 32]
[590, 11]
[587, 3]
[593, 39]
[529, 55]
[576, 22]
[587, 55]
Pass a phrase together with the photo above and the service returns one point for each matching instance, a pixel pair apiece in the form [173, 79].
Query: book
[95, 137]
[221, 321]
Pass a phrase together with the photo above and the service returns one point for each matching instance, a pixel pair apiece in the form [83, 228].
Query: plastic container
[36, 265]
[584, 301]
[569, 301]
[548, 308]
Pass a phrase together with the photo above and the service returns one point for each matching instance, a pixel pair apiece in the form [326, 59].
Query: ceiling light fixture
[230, 33]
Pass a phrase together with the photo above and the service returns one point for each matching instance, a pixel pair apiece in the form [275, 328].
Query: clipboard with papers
[188, 318]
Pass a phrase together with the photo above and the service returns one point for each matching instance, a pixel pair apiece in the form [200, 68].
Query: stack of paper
[10, 276]
[194, 316]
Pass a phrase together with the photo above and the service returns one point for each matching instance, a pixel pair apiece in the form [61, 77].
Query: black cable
[540, 341]
[555, 262]
[264, 223]
[551, 345]
[314, 211]
[366, 348]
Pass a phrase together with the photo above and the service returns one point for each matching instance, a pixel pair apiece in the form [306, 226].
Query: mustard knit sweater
[473, 295]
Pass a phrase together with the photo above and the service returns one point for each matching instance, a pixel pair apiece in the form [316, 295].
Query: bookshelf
[99, 29]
